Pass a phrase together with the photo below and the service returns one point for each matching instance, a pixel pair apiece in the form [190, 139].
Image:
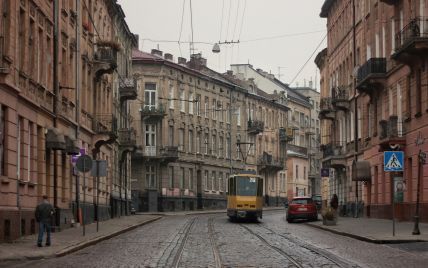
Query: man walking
[44, 212]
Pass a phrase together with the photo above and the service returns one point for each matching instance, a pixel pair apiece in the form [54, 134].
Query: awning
[361, 171]
[71, 146]
[55, 140]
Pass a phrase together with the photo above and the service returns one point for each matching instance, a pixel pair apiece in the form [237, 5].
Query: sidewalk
[375, 230]
[70, 240]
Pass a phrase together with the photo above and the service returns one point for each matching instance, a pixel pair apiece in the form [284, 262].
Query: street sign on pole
[84, 163]
[393, 160]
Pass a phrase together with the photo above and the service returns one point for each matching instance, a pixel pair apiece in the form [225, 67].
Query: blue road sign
[393, 161]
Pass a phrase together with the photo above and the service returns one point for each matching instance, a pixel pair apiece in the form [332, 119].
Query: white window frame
[191, 103]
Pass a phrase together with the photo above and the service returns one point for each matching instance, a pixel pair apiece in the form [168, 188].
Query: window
[220, 111]
[182, 101]
[198, 142]
[213, 181]
[171, 96]
[228, 113]
[206, 179]
[206, 143]
[150, 177]
[238, 117]
[171, 135]
[226, 183]
[181, 139]
[220, 181]
[304, 173]
[2, 139]
[190, 178]
[198, 105]
[150, 96]
[191, 103]
[214, 145]
[150, 140]
[227, 147]
[182, 175]
[220, 147]
[190, 141]
[214, 110]
[206, 105]
[297, 172]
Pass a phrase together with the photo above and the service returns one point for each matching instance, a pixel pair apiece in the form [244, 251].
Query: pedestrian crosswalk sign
[393, 161]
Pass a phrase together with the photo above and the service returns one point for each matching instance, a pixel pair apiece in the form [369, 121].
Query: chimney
[181, 60]
[229, 72]
[169, 56]
[197, 61]
[310, 84]
[157, 52]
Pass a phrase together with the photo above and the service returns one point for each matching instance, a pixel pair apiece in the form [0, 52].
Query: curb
[94, 241]
[364, 238]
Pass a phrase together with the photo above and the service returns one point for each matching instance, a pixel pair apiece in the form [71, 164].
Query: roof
[326, 8]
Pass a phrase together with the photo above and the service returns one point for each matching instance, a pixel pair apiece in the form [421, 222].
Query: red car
[302, 208]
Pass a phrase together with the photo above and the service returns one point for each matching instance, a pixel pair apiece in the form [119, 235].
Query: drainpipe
[77, 97]
[55, 102]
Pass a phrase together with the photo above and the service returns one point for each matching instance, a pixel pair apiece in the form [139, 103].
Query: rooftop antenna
[279, 72]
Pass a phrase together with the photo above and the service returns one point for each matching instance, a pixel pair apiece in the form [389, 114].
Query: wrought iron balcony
[391, 132]
[286, 134]
[412, 41]
[105, 61]
[390, 2]
[152, 113]
[127, 137]
[127, 89]
[163, 154]
[104, 124]
[340, 98]
[269, 163]
[372, 75]
[326, 109]
[334, 155]
[255, 127]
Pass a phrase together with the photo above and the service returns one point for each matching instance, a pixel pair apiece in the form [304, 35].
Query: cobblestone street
[212, 241]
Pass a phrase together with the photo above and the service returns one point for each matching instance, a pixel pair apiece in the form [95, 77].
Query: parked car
[318, 201]
[302, 208]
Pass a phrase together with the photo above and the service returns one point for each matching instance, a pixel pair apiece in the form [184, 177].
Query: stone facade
[390, 58]
[47, 117]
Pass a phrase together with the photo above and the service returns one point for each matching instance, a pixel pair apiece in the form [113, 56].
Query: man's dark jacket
[44, 212]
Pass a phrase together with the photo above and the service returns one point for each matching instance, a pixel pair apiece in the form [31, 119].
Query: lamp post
[421, 162]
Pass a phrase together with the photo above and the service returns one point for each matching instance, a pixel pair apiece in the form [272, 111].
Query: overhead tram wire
[191, 28]
[234, 29]
[240, 30]
[304, 65]
[227, 35]
[221, 30]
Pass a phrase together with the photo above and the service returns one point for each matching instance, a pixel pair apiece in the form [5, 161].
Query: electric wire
[221, 22]
[192, 50]
[304, 65]
[181, 28]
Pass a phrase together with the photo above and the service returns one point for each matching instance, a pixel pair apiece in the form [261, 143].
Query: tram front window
[246, 186]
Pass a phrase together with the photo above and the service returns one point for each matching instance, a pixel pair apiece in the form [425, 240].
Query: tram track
[216, 252]
[277, 249]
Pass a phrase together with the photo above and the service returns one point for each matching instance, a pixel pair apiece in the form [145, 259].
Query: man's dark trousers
[42, 227]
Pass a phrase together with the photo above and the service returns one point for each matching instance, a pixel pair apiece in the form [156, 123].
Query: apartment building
[190, 121]
[57, 97]
[297, 134]
[314, 133]
[388, 41]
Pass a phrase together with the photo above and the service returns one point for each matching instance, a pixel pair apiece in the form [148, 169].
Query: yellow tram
[245, 196]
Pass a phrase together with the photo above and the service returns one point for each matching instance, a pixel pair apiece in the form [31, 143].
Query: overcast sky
[275, 33]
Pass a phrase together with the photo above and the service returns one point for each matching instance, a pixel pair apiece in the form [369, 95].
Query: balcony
[334, 155]
[152, 113]
[127, 89]
[286, 134]
[391, 133]
[127, 137]
[161, 154]
[294, 150]
[105, 124]
[267, 162]
[411, 42]
[340, 98]
[105, 61]
[372, 75]
[326, 109]
[389, 2]
[255, 127]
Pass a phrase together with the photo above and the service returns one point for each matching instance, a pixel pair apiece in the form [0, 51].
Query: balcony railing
[340, 97]
[391, 128]
[334, 149]
[416, 29]
[374, 66]
[127, 137]
[326, 108]
[161, 151]
[152, 112]
[128, 89]
[267, 161]
[104, 124]
[255, 127]
[286, 134]
[106, 54]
